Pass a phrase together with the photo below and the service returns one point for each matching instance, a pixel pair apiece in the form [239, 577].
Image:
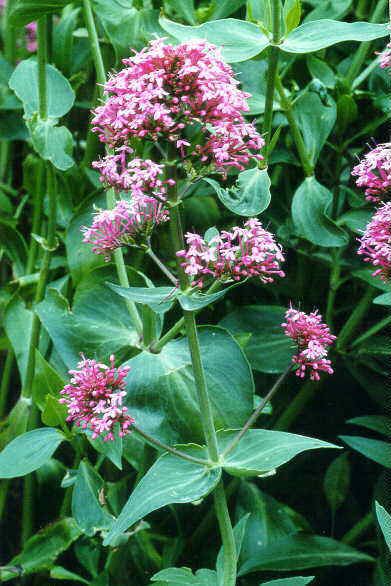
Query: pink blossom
[164, 89]
[94, 398]
[250, 251]
[375, 244]
[374, 172]
[122, 225]
[385, 57]
[139, 176]
[312, 338]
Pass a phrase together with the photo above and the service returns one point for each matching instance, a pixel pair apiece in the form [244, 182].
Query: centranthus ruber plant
[185, 318]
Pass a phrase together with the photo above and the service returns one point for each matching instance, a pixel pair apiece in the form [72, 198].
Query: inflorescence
[312, 338]
[375, 244]
[94, 398]
[374, 172]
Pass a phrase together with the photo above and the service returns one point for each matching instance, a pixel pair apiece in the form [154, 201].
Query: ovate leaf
[336, 482]
[384, 519]
[53, 143]
[316, 121]
[185, 577]
[86, 508]
[25, 11]
[375, 450]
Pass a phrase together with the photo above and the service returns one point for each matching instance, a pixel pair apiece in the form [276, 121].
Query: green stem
[7, 188]
[37, 217]
[123, 275]
[373, 330]
[42, 35]
[359, 529]
[355, 318]
[5, 380]
[361, 54]
[257, 412]
[162, 267]
[94, 45]
[227, 535]
[333, 288]
[293, 411]
[162, 446]
[296, 134]
[9, 36]
[274, 52]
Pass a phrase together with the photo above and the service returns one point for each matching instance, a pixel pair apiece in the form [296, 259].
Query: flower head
[375, 244]
[164, 91]
[122, 225]
[385, 57]
[374, 172]
[250, 251]
[312, 338]
[94, 398]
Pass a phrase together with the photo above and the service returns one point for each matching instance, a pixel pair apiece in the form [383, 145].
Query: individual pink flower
[374, 172]
[250, 251]
[385, 57]
[165, 89]
[312, 338]
[139, 176]
[122, 225]
[94, 398]
[375, 244]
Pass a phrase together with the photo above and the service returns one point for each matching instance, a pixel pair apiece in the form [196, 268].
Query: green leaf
[53, 143]
[252, 77]
[185, 9]
[319, 34]
[111, 449]
[295, 581]
[98, 325]
[25, 11]
[60, 573]
[299, 552]
[375, 450]
[41, 550]
[169, 480]
[320, 70]
[63, 39]
[250, 196]
[159, 299]
[316, 121]
[86, 509]
[262, 450]
[336, 482]
[54, 412]
[329, 9]
[224, 8]
[268, 349]
[17, 324]
[291, 14]
[347, 112]
[24, 82]
[310, 205]
[366, 275]
[239, 40]
[46, 380]
[121, 22]
[162, 396]
[379, 423]
[384, 519]
[356, 220]
[14, 246]
[185, 577]
[29, 451]
[198, 300]
[384, 299]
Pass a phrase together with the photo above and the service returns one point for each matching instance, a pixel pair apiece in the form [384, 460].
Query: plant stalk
[359, 529]
[5, 380]
[37, 217]
[274, 52]
[292, 412]
[42, 35]
[94, 46]
[355, 319]
[373, 330]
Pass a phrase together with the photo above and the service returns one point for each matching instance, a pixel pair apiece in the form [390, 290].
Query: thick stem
[94, 45]
[355, 319]
[373, 330]
[274, 52]
[296, 134]
[359, 529]
[227, 535]
[42, 59]
[257, 412]
[361, 54]
[293, 411]
[9, 36]
[37, 217]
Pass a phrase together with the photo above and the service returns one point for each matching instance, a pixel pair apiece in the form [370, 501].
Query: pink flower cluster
[312, 338]
[164, 89]
[139, 176]
[250, 251]
[94, 398]
[31, 31]
[385, 57]
[375, 244]
[374, 172]
[121, 226]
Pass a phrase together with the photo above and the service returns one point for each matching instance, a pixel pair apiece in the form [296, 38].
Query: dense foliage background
[338, 98]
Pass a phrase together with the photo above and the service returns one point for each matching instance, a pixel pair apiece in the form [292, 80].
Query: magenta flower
[312, 338]
[250, 251]
[374, 172]
[165, 89]
[385, 57]
[139, 176]
[375, 244]
[124, 224]
[94, 398]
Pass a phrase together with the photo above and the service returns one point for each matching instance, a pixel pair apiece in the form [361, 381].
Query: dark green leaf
[24, 11]
[316, 121]
[366, 275]
[310, 206]
[185, 9]
[329, 9]
[319, 34]
[14, 246]
[198, 300]
[17, 324]
[121, 22]
[224, 8]
[375, 450]
[295, 581]
[185, 577]
[262, 450]
[63, 39]
[299, 552]
[379, 423]
[320, 70]
[356, 220]
[384, 519]
[29, 451]
[60, 573]
[86, 509]
[54, 412]
[111, 449]
[239, 40]
[268, 349]
[336, 481]
[46, 380]
[250, 196]
[169, 480]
